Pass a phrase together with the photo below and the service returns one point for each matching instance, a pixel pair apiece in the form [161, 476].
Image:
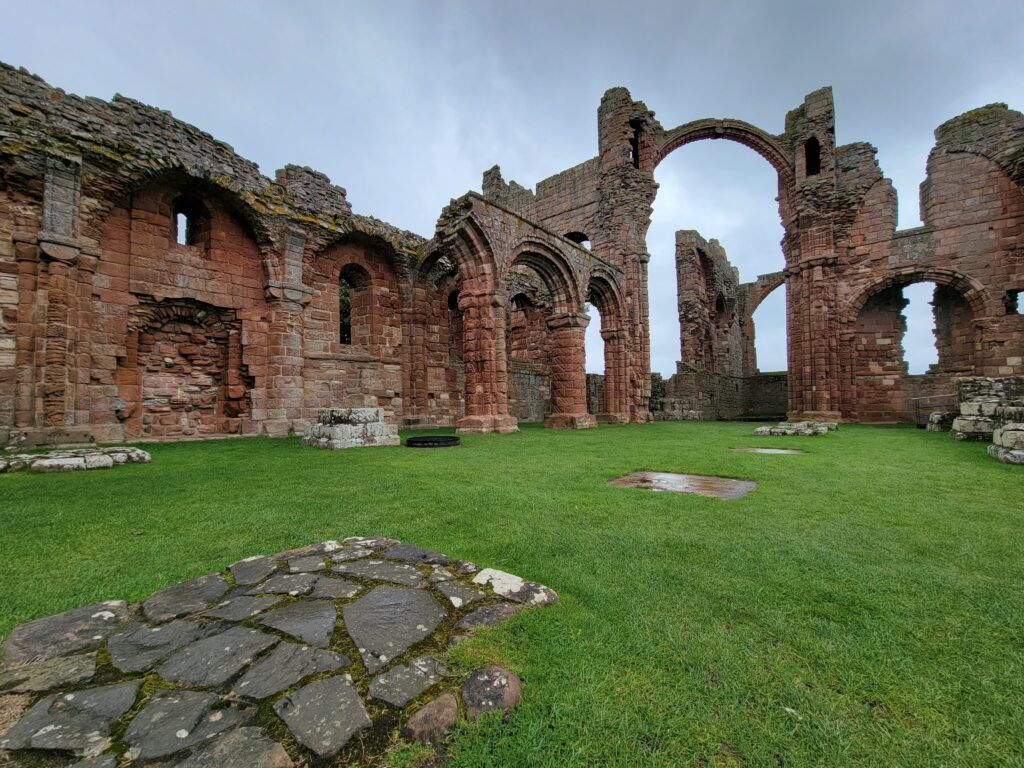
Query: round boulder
[489, 689]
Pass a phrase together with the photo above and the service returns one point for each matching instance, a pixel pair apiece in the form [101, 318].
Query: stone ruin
[990, 410]
[154, 284]
[316, 655]
[798, 428]
[717, 375]
[74, 460]
[1008, 443]
[339, 428]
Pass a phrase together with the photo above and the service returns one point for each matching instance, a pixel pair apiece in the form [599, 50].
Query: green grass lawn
[863, 606]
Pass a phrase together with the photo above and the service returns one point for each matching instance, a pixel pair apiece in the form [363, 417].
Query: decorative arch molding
[762, 142]
[603, 291]
[554, 270]
[973, 292]
[155, 314]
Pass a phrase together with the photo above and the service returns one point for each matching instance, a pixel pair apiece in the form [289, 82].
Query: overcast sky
[406, 103]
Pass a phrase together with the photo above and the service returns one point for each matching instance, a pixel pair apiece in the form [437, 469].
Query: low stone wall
[692, 394]
[340, 428]
[74, 460]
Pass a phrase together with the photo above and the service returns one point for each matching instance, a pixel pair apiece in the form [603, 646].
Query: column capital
[296, 293]
[613, 334]
[569, 320]
[485, 298]
[57, 247]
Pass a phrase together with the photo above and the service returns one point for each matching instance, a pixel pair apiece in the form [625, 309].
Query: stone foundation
[800, 428]
[340, 428]
[1008, 444]
[985, 404]
[74, 460]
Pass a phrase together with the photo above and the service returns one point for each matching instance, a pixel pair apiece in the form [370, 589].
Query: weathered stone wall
[530, 393]
[765, 394]
[92, 246]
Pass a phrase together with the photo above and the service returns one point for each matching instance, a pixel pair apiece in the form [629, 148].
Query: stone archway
[877, 385]
[566, 324]
[604, 295]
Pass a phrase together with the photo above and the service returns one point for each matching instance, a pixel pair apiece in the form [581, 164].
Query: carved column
[486, 364]
[615, 408]
[568, 372]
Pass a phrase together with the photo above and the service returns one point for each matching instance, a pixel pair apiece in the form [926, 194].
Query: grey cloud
[406, 103]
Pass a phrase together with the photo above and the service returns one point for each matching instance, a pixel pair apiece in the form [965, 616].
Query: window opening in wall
[345, 311]
[181, 228]
[190, 220]
[919, 332]
[579, 238]
[812, 156]
[1012, 302]
[634, 142]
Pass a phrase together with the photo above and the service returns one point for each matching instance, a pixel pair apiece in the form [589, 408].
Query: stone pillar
[814, 371]
[285, 358]
[642, 368]
[568, 372]
[615, 408]
[486, 364]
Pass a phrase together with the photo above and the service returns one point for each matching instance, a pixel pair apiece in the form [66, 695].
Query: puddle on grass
[702, 485]
[771, 451]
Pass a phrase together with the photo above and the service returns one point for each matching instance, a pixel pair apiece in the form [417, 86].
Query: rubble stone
[490, 689]
[431, 722]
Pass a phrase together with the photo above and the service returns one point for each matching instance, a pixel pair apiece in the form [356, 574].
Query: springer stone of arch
[155, 285]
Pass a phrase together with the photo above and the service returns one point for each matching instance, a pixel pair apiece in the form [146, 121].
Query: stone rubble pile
[74, 459]
[940, 421]
[799, 428]
[1008, 443]
[334, 640]
[339, 428]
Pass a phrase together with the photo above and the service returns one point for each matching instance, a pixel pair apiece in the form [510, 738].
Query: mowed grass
[864, 606]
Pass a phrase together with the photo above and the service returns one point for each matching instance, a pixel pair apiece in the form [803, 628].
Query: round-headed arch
[554, 270]
[739, 131]
[603, 292]
[970, 289]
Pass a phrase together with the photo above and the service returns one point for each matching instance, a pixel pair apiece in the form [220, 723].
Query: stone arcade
[154, 284]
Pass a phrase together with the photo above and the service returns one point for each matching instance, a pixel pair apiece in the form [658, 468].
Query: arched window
[354, 305]
[812, 156]
[579, 238]
[190, 222]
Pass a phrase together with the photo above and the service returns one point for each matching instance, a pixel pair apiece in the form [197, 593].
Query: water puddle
[702, 485]
[771, 451]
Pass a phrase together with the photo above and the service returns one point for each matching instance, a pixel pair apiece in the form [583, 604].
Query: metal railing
[924, 406]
